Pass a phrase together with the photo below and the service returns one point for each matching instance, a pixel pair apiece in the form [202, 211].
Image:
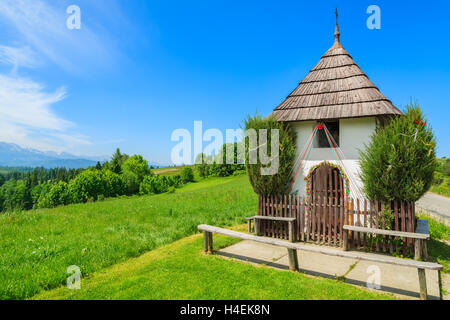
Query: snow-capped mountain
[15, 156]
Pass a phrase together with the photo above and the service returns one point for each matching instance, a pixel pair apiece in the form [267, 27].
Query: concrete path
[402, 281]
[436, 205]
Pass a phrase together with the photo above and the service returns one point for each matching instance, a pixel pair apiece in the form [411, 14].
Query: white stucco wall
[353, 134]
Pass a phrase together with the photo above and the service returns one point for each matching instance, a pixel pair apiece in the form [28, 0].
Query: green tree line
[48, 188]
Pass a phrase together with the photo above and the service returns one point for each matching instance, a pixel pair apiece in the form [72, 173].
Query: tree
[187, 175]
[135, 169]
[138, 166]
[117, 161]
[277, 183]
[38, 192]
[86, 186]
[34, 179]
[154, 185]
[221, 167]
[16, 195]
[98, 166]
[201, 165]
[57, 196]
[61, 175]
[399, 161]
[114, 185]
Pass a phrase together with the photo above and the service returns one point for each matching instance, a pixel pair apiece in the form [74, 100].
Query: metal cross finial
[336, 29]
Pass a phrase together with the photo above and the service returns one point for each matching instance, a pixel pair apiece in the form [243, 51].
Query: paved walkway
[402, 281]
[436, 205]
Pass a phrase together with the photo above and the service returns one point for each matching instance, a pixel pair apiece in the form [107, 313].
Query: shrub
[221, 167]
[131, 181]
[171, 190]
[114, 184]
[174, 181]
[154, 185]
[278, 183]
[138, 166]
[57, 196]
[15, 196]
[202, 165]
[87, 185]
[399, 161]
[187, 175]
[39, 191]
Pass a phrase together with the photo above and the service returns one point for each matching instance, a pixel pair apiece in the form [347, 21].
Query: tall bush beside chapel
[271, 184]
[399, 161]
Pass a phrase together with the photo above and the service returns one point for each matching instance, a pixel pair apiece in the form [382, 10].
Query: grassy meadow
[181, 271]
[439, 244]
[37, 246]
[442, 178]
[148, 247]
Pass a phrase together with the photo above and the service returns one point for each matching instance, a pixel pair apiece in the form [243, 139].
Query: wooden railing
[322, 221]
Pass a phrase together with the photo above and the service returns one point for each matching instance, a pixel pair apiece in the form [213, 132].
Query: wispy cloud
[41, 39]
[18, 56]
[26, 117]
[42, 26]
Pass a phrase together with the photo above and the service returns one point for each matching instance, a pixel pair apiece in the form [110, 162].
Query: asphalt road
[435, 204]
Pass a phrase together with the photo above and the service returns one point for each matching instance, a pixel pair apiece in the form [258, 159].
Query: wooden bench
[257, 219]
[293, 247]
[420, 237]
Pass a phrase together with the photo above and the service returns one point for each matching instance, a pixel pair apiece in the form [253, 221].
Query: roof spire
[336, 30]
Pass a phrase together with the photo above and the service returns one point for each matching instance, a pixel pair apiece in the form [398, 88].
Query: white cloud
[18, 56]
[40, 37]
[42, 26]
[26, 117]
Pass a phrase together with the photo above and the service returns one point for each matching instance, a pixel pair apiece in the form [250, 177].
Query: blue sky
[137, 70]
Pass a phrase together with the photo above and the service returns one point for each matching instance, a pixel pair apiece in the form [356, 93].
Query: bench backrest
[285, 219]
[412, 235]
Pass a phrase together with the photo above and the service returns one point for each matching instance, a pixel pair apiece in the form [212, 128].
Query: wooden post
[293, 259]
[210, 243]
[424, 251]
[440, 284]
[345, 240]
[291, 231]
[422, 284]
[257, 225]
[206, 241]
[418, 249]
[421, 272]
[249, 225]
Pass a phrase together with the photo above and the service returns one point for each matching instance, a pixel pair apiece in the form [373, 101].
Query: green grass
[169, 171]
[442, 178]
[438, 246]
[36, 247]
[181, 271]
[442, 189]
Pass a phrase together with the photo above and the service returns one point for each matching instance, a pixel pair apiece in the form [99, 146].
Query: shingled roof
[335, 88]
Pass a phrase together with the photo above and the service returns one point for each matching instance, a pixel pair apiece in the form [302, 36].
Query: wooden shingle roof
[335, 88]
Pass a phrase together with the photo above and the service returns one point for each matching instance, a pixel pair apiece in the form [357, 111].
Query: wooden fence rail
[321, 220]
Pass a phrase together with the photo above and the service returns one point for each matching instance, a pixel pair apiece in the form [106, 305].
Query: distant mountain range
[12, 155]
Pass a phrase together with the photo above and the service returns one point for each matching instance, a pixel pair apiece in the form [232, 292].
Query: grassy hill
[181, 271]
[38, 246]
[441, 183]
[148, 247]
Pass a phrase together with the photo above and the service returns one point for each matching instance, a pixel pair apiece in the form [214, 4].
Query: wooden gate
[327, 187]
